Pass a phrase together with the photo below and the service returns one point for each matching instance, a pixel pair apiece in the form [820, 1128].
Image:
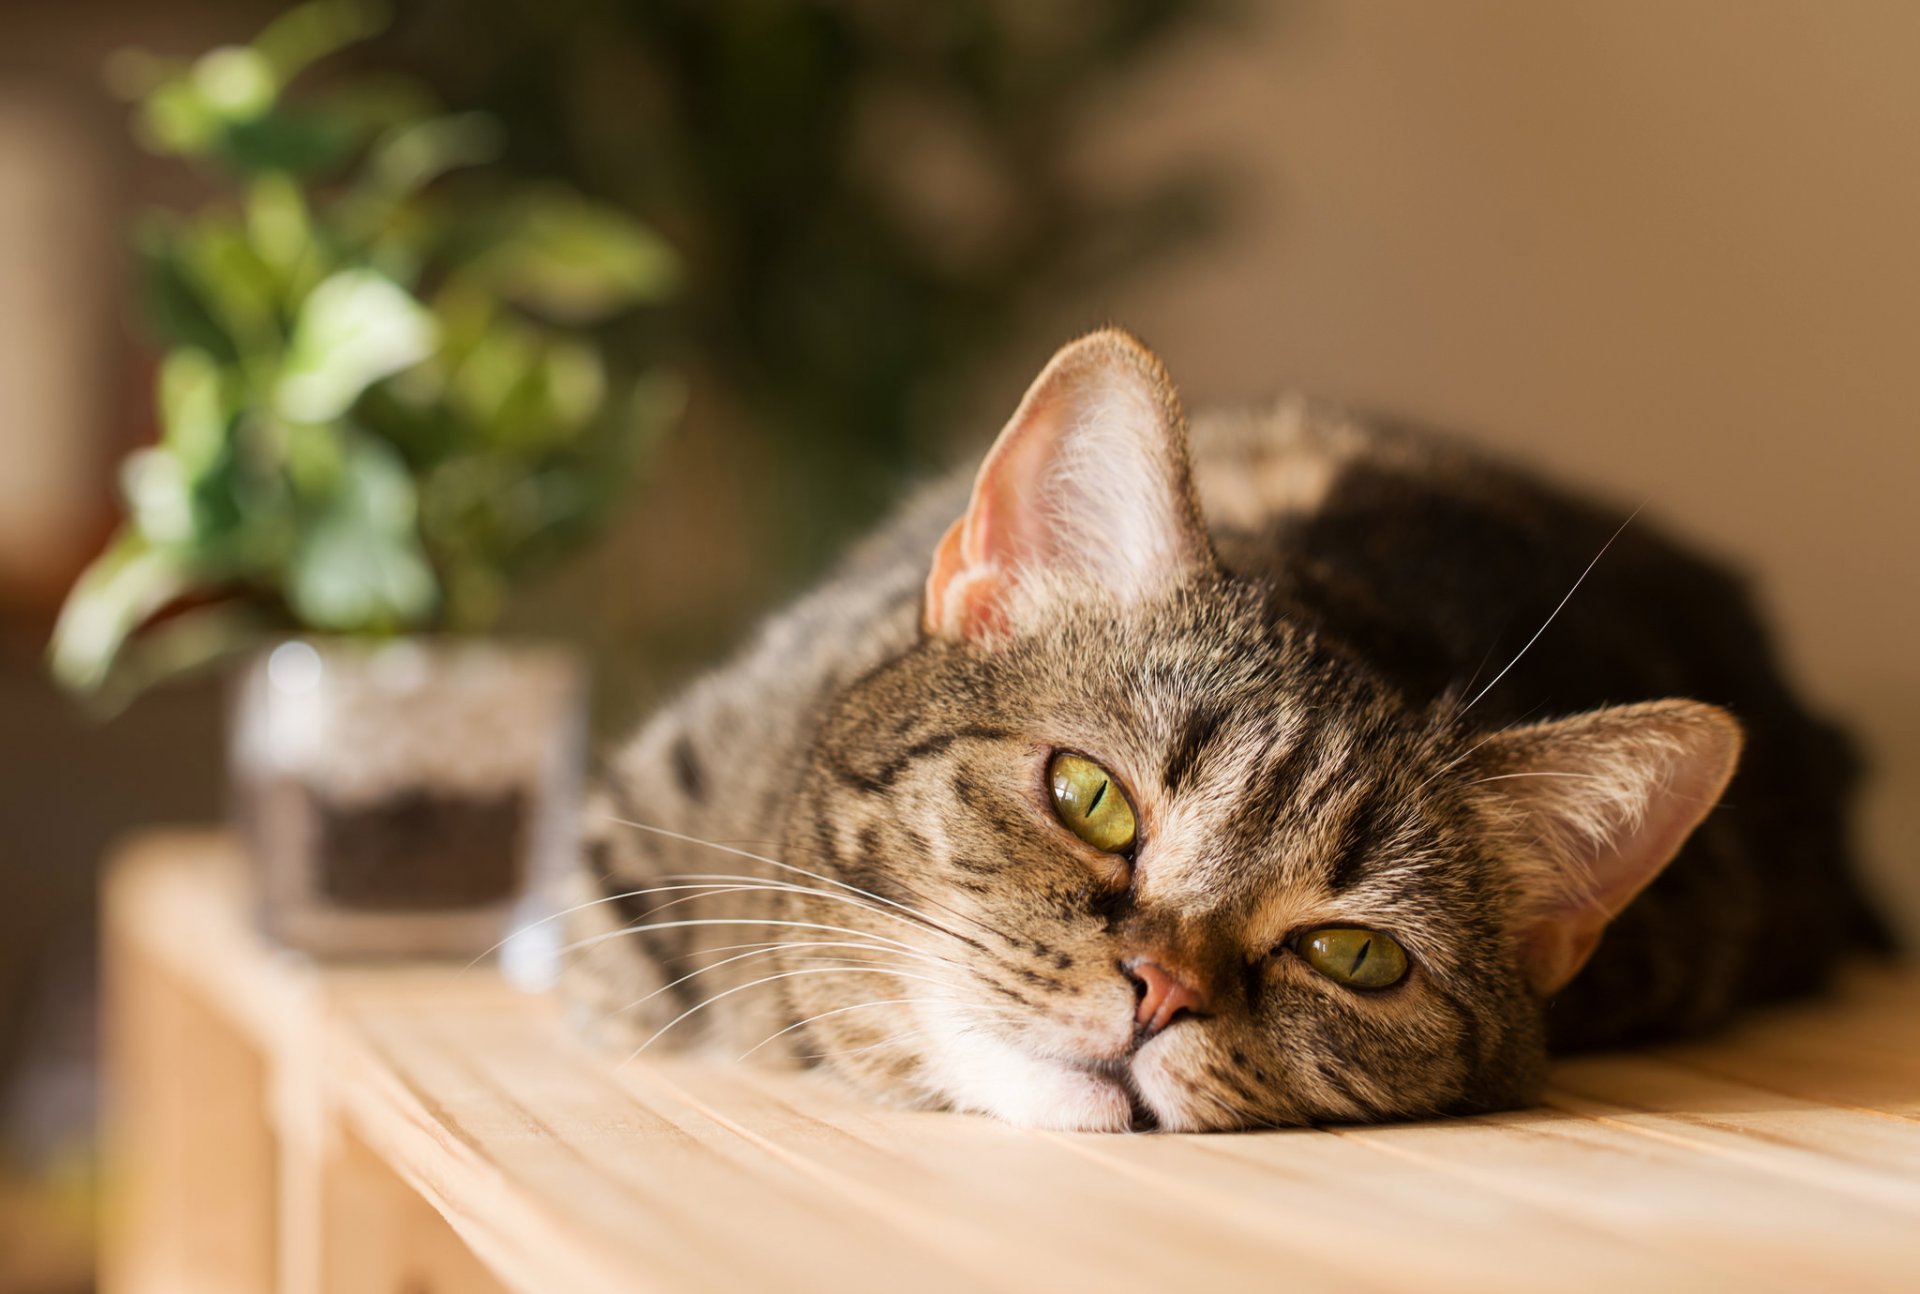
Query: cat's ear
[1596, 805]
[1087, 487]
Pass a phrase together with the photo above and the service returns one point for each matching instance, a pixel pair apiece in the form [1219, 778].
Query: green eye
[1090, 804]
[1357, 958]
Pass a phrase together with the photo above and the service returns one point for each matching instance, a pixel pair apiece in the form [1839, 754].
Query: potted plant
[383, 403]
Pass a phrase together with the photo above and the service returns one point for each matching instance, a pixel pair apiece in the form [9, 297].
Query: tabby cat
[1314, 771]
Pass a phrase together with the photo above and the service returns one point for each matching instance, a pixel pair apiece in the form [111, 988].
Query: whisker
[1469, 753]
[689, 922]
[1485, 656]
[563, 912]
[1555, 612]
[801, 871]
[887, 1041]
[965, 1027]
[842, 1010]
[1507, 777]
[706, 892]
[769, 979]
[722, 885]
[924, 954]
[906, 914]
[725, 961]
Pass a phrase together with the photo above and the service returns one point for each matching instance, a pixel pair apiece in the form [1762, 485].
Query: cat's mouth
[1119, 1072]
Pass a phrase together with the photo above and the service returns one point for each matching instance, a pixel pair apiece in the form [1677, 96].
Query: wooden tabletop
[1784, 1155]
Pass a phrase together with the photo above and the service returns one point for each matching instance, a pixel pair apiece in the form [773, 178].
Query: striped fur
[1290, 722]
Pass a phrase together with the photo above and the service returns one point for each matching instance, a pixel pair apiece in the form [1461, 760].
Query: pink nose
[1164, 996]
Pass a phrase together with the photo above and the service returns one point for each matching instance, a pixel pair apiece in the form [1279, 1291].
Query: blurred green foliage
[386, 396]
[872, 198]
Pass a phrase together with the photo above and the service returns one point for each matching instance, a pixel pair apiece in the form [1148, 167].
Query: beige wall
[57, 252]
[1668, 247]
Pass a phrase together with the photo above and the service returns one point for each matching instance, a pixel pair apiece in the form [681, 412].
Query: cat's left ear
[1596, 806]
[1087, 488]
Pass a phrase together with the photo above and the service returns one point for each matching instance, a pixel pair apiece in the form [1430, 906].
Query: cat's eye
[1354, 957]
[1090, 804]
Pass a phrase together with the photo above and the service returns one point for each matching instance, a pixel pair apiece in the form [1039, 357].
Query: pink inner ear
[1095, 452]
[1649, 775]
[967, 587]
[959, 592]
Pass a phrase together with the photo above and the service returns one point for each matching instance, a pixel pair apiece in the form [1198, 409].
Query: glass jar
[409, 798]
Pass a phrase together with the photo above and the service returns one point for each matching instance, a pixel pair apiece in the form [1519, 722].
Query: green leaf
[241, 290]
[360, 565]
[297, 141]
[498, 365]
[572, 259]
[177, 119]
[279, 222]
[354, 329]
[234, 82]
[413, 155]
[181, 644]
[120, 591]
[193, 416]
[576, 382]
[159, 494]
[174, 303]
[308, 33]
[349, 579]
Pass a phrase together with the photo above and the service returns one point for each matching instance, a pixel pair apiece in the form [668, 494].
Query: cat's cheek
[1168, 1096]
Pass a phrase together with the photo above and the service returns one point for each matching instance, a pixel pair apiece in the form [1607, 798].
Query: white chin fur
[1064, 1100]
[1165, 1096]
[980, 1073]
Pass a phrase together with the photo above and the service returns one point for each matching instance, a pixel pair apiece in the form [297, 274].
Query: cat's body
[1292, 700]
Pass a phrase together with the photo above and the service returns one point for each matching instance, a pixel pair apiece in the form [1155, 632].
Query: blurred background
[1663, 247]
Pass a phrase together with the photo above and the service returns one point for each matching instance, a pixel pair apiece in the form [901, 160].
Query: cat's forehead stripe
[1359, 837]
[1202, 723]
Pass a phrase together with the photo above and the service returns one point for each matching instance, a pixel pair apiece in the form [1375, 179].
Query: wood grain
[433, 1130]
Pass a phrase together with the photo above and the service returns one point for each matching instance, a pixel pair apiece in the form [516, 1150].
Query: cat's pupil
[1084, 806]
[1355, 957]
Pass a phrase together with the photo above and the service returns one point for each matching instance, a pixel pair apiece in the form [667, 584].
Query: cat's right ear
[1087, 488]
[1597, 805]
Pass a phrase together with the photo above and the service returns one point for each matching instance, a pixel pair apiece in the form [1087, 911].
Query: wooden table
[275, 1126]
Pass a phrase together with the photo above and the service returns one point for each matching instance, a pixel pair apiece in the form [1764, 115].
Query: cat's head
[1139, 849]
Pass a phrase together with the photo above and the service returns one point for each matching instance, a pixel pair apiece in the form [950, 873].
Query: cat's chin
[1163, 1098]
[987, 1076]
[1071, 1100]
[1058, 1098]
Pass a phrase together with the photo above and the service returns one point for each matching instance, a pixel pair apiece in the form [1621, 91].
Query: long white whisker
[690, 922]
[769, 979]
[823, 943]
[565, 912]
[906, 915]
[891, 1038]
[760, 952]
[789, 867]
[904, 1034]
[1468, 754]
[842, 1010]
[818, 943]
[706, 892]
[1555, 613]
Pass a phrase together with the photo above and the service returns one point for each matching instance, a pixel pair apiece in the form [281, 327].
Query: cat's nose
[1164, 996]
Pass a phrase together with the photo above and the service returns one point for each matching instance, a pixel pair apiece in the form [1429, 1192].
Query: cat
[1322, 771]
